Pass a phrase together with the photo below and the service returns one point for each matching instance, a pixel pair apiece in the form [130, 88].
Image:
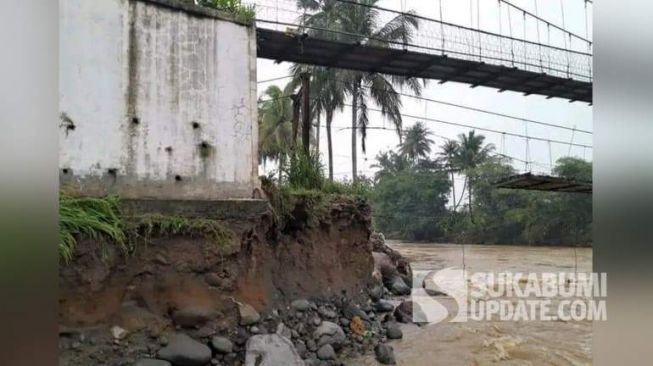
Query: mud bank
[117, 309]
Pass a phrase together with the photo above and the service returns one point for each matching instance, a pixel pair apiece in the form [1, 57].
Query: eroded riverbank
[494, 342]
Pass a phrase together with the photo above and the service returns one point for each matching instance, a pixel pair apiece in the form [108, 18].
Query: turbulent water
[494, 342]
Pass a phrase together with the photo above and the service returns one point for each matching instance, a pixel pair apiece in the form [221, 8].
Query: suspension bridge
[558, 63]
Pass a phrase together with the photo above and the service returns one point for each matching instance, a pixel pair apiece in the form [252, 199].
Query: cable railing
[570, 59]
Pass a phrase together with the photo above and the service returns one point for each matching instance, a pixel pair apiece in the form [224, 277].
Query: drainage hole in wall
[135, 120]
[178, 178]
[195, 125]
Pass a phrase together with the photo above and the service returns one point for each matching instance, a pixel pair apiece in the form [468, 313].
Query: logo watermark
[456, 295]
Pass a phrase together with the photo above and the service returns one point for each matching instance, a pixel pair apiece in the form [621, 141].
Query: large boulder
[329, 333]
[397, 286]
[182, 350]
[393, 330]
[271, 350]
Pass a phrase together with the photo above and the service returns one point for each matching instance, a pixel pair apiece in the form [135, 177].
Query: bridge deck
[304, 49]
[532, 182]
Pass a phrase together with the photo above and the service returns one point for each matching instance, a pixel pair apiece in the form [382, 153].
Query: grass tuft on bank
[100, 219]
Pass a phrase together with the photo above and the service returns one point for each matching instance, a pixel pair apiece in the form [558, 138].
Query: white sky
[555, 110]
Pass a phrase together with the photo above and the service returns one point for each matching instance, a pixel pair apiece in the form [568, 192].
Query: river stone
[326, 312]
[398, 286]
[300, 305]
[271, 350]
[192, 316]
[326, 353]
[151, 362]
[376, 292]
[404, 312]
[185, 351]
[329, 333]
[352, 310]
[393, 331]
[383, 307]
[248, 315]
[385, 354]
[222, 344]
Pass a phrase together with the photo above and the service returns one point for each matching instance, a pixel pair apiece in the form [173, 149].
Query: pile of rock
[305, 332]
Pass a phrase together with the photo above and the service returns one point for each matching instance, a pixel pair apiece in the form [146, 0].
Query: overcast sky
[557, 111]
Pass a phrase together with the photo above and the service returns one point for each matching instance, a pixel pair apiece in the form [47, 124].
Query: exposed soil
[193, 284]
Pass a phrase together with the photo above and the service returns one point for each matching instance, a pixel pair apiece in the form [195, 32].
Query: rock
[404, 312]
[163, 340]
[185, 351]
[254, 330]
[118, 333]
[271, 350]
[212, 279]
[344, 322]
[300, 346]
[300, 305]
[248, 315]
[376, 292]
[222, 344]
[192, 316]
[284, 331]
[326, 353]
[329, 333]
[151, 362]
[241, 336]
[384, 354]
[398, 287]
[316, 321]
[161, 259]
[326, 312]
[383, 307]
[350, 310]
[311, 345]
[393, 331]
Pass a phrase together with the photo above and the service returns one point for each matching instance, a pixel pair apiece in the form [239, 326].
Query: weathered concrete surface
[158, 100]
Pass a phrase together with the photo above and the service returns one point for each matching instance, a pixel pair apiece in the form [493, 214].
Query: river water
[474, 343]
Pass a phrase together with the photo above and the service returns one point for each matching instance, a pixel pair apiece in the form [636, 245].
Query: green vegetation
[243, 13]
[145, 227]
[409, 198]
[96, 218]
[330, 87]
[100, 219]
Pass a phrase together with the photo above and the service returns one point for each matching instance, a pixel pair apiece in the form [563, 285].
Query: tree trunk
[469, 199]
[317, 135]
[306, 112]
[453, 190]
[329, 119]
[354, 120]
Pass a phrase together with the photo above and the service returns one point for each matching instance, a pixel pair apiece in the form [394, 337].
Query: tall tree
[362, 23]
[275, 125]
[416, 143]
[327, 97]
[470, 154]
[448, 153]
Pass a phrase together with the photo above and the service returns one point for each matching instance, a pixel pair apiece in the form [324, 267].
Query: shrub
[304, 171]
[244, 13]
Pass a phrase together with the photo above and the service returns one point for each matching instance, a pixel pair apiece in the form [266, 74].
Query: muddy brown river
[494, 342]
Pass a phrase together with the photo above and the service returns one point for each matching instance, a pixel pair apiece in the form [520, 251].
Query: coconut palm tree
[275, 126]
[362, 24]
[471, 153]
[327, 97]
[416, 143]
[448, 153]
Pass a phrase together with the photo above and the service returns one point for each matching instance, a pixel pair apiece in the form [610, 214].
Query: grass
[243, 13]
[96, 218]
[100, 219]
[145, 227]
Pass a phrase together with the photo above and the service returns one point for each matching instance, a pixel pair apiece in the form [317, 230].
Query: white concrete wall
[134, 78]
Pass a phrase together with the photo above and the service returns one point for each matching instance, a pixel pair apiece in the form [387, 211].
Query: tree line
[413, 192]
